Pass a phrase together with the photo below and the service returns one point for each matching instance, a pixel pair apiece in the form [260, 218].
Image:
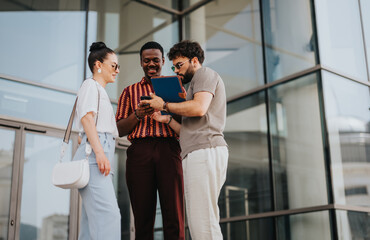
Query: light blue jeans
[100, 215]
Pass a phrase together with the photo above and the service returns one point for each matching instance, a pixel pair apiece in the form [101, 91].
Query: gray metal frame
[363, 40]
[36, 84]
[296, 211]
[42, 85]
[14, 179]
[22, 128]
[180, 13]
[294, 76]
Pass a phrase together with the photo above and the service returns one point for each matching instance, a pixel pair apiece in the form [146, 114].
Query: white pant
[204, 174]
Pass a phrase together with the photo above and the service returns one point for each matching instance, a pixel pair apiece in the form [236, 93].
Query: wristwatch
[165, 107]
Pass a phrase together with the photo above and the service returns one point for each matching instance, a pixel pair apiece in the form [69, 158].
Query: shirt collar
[144, 81]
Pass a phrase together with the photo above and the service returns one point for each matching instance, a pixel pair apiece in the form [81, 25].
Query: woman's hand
[88, 123]
[161, 118]
[103, 163]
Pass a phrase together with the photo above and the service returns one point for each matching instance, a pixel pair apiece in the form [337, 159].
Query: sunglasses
[178, 65]
[115, 66]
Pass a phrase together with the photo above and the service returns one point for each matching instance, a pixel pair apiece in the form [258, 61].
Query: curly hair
[187, 49]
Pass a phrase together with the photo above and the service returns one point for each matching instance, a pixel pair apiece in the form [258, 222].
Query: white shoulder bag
[73, 174]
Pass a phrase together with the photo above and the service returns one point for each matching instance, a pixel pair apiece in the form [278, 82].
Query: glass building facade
[298, 122]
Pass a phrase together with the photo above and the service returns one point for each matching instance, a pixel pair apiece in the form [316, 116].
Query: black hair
[151, 45]
[187, 49]
[98, 52]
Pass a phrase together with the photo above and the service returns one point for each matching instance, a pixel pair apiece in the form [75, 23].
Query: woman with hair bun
[95, 120]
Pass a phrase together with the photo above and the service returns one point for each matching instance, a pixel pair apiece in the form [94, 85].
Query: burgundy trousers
[155, 164]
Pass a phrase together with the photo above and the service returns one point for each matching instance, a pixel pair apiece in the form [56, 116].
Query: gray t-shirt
[205, 132]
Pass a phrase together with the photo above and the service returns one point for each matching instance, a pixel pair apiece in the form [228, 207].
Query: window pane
[247, 188]
[297, 148]
[231, 37]
[250, 230]
[123, 199]
[340, 37]
[365, 10]
[353, 225]
[289, 38]
[35, 103]
[307, 226]
[50, 5]
[116, 24]
[7, 139]
[176, 4]
[43, 46]
[170, 4]
[44, 207]
[348, 120]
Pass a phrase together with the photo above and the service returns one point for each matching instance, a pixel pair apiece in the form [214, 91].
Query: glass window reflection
[119, 182]
[44, 207]
[340, 37]
[7, 139]
[247, 188]
[307, 226]
[231, 37]
[348, 120]
[250, 230]
[35, 103]
[365, 10]
[297, 148]
[289, 37]
[43, 46]
[169, 4]
[116, 23]
[353, 225]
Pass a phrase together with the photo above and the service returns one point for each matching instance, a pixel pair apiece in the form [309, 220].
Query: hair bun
[97, 46]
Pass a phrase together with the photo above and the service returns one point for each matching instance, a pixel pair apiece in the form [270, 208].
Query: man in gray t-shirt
[204, 131]
[204, 150]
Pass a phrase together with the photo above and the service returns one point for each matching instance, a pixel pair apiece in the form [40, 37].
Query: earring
[99, 70]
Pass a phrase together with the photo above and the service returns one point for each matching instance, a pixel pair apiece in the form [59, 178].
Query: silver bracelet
[137, 117]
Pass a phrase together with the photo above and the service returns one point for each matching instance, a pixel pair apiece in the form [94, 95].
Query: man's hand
[156, 102]
[161, 118]
[143, 110]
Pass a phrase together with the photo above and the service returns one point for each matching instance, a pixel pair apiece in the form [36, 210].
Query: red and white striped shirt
[127, 104]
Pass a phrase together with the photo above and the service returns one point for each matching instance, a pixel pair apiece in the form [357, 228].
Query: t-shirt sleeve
[87, 100]
[205, 82]
[123, 108]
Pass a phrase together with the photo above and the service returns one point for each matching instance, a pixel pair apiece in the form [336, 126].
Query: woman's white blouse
[88, 102]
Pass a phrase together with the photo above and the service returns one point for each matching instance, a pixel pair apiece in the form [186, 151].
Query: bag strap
[68, 131]
[97, 112]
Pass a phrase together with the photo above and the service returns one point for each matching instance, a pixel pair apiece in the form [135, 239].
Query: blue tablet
[169, 88]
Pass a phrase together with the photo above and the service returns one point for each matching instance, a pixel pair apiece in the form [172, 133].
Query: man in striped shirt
[204, 149]
[153, 158]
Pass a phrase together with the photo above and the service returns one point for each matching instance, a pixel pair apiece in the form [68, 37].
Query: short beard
[188, 76]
